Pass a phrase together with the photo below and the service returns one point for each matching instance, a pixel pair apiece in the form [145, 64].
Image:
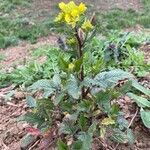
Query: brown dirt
[18, 55]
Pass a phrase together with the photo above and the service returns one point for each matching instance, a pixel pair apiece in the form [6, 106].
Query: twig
[131, 122]
[34, 144]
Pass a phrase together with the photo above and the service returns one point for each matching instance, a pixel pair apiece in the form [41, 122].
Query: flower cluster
[70, 13]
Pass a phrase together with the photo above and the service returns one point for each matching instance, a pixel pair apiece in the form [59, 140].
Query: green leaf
[67, 127]
[125, 87]
[58, 98]
[56, 80]
[82, 122]
[77, 145]
[40, 85]
[141, 101]
[92, 128]
[78, 64]
[118, 136]
[86, 140]
[145, 115]
[32, 118]
[73, 88]
[110, 79]
[45, 85]
[63, 64]
[103, 100]
[31, 102]
[61, 145]
[130, 136]
[141, 88]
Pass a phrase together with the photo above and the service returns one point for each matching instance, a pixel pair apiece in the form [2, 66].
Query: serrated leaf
[73, 88]
[110, 78]
[141, 88]
[86, 140]
[118, 136]
[145, 115]
[61, 145]
[141, 101]
[108, 121]
[31, 102]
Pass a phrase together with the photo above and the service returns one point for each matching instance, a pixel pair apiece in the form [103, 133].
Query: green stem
[80, 52]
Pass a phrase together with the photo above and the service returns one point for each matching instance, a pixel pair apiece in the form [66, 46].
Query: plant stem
[80, 54]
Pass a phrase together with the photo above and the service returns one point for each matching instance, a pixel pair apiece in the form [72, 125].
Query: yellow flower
[87, 25]
[70, 13]
[82, 8]
[71, 66]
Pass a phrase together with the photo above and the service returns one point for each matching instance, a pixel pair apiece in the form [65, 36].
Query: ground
[11, 132]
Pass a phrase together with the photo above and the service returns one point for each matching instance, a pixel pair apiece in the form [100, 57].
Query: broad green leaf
[86, 140]
[61, 145]
[110, 78]
[45, 85]
[73, 88]
[119, 136]
[41, 85]
[31, 102]
[141, 88]
[130, 136]
[145, 115]
[141, 101]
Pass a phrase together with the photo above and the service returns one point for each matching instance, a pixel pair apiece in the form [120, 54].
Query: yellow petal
[75, 13]
[68, 18]
[71, 66]
[82, 8]
[62, 5]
